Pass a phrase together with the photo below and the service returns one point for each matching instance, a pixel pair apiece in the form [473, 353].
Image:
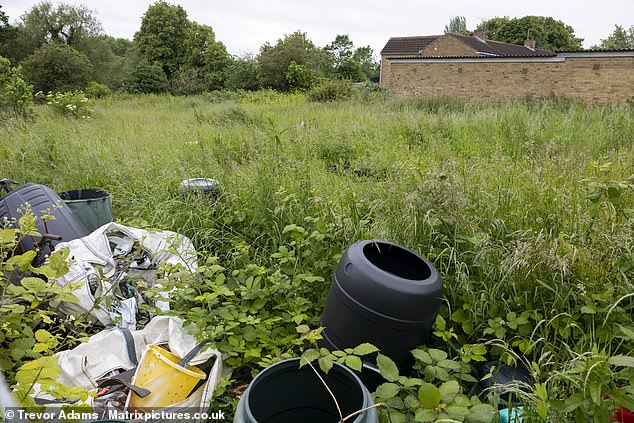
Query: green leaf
[302, 329]
[42, 335]
[595, 392]
[23, 260]
[387, 367]
[573, 402]
[449, 391]
[481, 413]
[325, 364]
[429, 395]
[365, 349]
[388, 390]
[354, 362]
[622, 399]
[437, 355]
[423, 415]
[423, 356]
[35, 285]
[621, 360]
[310, 355]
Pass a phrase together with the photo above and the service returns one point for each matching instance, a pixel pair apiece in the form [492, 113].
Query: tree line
[549, 33]
[63, 47]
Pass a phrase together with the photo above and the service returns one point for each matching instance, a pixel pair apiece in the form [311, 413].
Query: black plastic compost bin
[41, 199]
[384, 294]
[286, 393]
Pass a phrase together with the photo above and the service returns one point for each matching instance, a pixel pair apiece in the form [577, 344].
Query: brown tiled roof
[499, 48]
[415, 45]
[408, 45]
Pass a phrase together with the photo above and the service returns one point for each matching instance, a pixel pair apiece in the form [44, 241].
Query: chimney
[479, 33]
[530, 44]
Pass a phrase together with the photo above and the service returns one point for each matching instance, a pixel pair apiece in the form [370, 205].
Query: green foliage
[31, 329]
[244, 74]
[618, 40]
[163, 36]
[331, 90]
[208, 56]
[46, 23]
[16, 96]
[412, 398]
[457, 25]
[57, 68]
[148, 79]
[499, 197]
[348, 62]
[7, 32]
[300, 77]
[275, 60]
[549, 33]
[97, 90]
[71, 104]
[187, 82]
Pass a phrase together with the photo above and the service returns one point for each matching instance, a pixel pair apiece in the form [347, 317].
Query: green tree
[7, 32]
[620, 39]
[348, 63]
[46, 24]
[57, 67]
[549, 33]
[457, 25]
[163, 36]
[244, 74]
[16, 96]
[276, 59]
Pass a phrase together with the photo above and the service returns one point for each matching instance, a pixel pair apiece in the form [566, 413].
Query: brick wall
[601, 79]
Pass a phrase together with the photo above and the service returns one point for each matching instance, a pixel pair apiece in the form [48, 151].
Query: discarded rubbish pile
[117, 264]
[158, 366]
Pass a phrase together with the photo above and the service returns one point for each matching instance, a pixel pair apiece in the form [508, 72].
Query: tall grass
[495, 195]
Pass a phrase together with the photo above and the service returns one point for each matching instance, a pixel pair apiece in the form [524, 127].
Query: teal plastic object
[284, 392]
[511, 416]
[93, 207]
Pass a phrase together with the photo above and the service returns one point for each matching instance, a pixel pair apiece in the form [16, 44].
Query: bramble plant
[31, 329]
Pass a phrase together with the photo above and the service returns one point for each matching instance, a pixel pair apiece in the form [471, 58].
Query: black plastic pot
[384, 294]
[286, 393]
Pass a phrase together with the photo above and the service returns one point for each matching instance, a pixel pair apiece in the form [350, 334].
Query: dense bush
[16, 96]
[57, 68]
[244, 74]
[331, 90]
[148, 79]
[97, 90]
[187, 82]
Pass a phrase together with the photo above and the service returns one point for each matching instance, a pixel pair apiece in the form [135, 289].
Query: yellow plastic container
[168, 382]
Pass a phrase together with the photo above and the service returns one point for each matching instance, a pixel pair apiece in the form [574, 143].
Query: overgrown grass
[495, 195]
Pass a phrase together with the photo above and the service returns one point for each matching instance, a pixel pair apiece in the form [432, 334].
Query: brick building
[454, 65]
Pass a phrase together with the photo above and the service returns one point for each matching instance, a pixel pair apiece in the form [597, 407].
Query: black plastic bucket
[92, 206]
[286, 393]
[384, 294]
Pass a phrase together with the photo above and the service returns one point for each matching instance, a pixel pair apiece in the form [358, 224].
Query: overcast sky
[244, 25]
